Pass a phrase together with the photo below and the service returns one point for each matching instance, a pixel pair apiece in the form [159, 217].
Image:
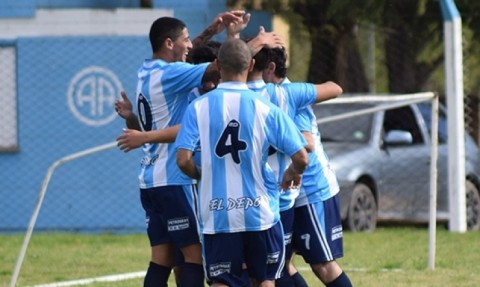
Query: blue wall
[66, 87]
[17, 9]
[26, 8]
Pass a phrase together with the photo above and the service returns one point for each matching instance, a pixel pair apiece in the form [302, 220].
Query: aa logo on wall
[91, 95]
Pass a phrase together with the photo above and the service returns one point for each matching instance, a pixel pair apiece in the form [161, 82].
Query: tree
[409, 37]
[332, 27]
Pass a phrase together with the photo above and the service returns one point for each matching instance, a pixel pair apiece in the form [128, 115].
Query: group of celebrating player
[234, 178]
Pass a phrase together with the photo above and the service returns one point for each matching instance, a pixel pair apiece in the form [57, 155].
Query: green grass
[390, 256]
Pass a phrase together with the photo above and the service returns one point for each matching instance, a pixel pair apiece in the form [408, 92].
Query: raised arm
[218, 24]
[235, 27]
[327, 91]
[265, 39]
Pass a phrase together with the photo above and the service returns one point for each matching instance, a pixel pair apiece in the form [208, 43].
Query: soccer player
[291, 98]
[317, 210]
[162, 97]
[275, 71]
[238, 194]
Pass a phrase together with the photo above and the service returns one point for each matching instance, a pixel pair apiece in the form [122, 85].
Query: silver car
[382, 162]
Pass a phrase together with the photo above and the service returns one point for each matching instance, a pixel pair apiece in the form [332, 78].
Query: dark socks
[157, 276]
[298, 280]
[341, 281]
[284, 281]
[192, 275]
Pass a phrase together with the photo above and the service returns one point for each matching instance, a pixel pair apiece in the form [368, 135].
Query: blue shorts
[262, 251]
[287, 218]
[169, 215]
[317, 231]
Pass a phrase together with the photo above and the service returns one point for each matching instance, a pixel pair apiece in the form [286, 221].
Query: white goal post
[396, 101]
[41, 196]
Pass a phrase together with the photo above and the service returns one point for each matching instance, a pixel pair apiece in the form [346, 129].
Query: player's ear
[271, 67]
[250, 67]
[168, 43]
[217, 65]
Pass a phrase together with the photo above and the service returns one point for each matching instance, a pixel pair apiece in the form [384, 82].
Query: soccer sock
[298, 280]
[284, 281]
[341, 281]
[157, 276]
[192, 275]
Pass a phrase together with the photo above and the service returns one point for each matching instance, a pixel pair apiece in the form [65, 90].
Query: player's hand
[124, 107]
[291, 180]
[131, 139]
[224, 19]
[235, 27]
[270, 39]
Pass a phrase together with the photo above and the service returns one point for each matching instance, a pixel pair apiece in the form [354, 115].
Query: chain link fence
[57, 95]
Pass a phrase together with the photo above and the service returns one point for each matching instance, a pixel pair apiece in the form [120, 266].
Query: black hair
[261, 59]
[279, 57]
[164, 28]
[204, 53]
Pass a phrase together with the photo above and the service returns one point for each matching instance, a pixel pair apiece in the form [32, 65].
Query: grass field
[390, 256]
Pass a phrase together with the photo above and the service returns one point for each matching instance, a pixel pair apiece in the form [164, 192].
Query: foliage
[409, 40]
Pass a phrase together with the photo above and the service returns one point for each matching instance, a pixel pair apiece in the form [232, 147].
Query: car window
[426, 111]
[350, 129]
[403, 119]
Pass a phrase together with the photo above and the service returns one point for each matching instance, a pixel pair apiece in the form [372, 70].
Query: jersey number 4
[230, 143]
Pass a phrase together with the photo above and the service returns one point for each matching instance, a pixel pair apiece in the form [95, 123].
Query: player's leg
[286, 218]
[161, 260]
[183, 231]
[224, 257]
[177, 266]
[319, 238]
[265, 246]
[297, 278]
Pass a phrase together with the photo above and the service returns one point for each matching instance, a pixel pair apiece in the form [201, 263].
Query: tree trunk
[336, 57]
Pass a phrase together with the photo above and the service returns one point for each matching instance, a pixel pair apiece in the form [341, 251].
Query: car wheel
[362, 210]
[473, 206]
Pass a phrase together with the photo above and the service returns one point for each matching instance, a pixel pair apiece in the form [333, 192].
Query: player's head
[204, 53]
[170, 39]
[276, 68]
[261, 59]
[234, 58]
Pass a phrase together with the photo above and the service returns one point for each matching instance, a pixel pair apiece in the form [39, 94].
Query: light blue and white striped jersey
[237, 191]
[290, 97]
[162, 97]
[319, 181]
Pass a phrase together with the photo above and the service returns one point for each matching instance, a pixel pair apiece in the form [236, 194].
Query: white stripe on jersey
[202, 110]
[258, 125]
[282, 95]
[231, 105]
[159, 103]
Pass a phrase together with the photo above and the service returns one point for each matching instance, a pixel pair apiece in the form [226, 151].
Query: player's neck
[242, 78]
